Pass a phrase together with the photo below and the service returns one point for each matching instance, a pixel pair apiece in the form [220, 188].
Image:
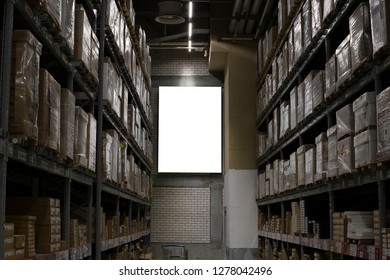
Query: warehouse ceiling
[235, 21]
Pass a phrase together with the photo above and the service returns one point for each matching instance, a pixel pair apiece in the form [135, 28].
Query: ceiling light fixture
[170, 12]
[190, 30]
[190, 10]
[189, 45]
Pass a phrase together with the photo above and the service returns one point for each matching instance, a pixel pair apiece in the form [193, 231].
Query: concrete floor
[195, 251]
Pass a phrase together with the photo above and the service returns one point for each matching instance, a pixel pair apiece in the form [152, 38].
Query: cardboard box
[345, 155]
[321, 157]
[301, 102]
[67, 127]
[316, 16]
[360, 30]
[365, 144]
[68, 22]
[298, 37]
[318, 89]
[328, 8]
[24, 85]
[293, 171]
[309, 93]
[383, 113]
[364, 108]
[275, 169]
[293, 108]
[306, 23]
[345, 122]
[8, 229]
[332, 152]
[380, 24]
[94, 57]
[343, 62]
[91, 143]
[301, 164]
[330, 76]
[82, 37]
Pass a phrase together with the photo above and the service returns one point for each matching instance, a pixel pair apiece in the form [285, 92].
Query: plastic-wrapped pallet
[111, 85]
[291, 50]
[298, 37]
[91, 142]
[272, 36]
[321, 157]
[270, 136]
[339, 227]
[330, 76]
[383, 113]
[293, 171]
[360, 30]
[275, 77]
[107, 157]
[316, 15]
[285, 61]
[343, 61]
[80, 139]
[365, 144]
[328, 8]
[306, 24]
[124, 106]
[128, 49]
[345, 155]
[293, 108]
[94, 57]
[49, 111]
[310, 165]
[270, 177]
[308, 103]
[281, 69]
[318, 89]
[123, 164]
[82, 37]
[24, 90]
[67, 22]
[301, 163]
[282, 183]
[300, 102]
[286, 174]
[261, 139]
[276, 123]
[364, 108]
[332, 152]
[282, 14]
[276, 177]
[380, 24]
[114, 154]
[68, 104]
[51, 8]
[284, 118]
[132, 173]
[345, 121]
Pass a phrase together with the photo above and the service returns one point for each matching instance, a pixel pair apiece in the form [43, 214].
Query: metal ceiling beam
[178, 36]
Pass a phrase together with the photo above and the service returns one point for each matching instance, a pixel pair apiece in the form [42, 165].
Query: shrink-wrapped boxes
[80, 139]
[345, 121]
[318, 89]
[261, 141]
[306, 24]
[293, 171]
[269, 175]
[275, 77]
[114, 154]
[24, 225]
[276, 123]
[281, 69]
[293, 108]
[82, 37]
[49, 112]
[107, 157]
[123, 164]
[68, 22]
[286, 174]
[316, 15]
[291, 50]
[111, 86]
[94, 57]
[282, 183]
[24, 86]
[330, 76]
[310, 165]
[298, 37]
[360, 30]
[345, 155]
[276, 176]
[301, 164]
[67, 131]
[51, 8]
[270, 136]
[301, 102]
[343, 61]
[282, 14]
[308, 107]
[332, 152]
[91, 142]
[321, 157]
[380, 24]
[328, 8]
[364, 108]
[383, 113]
[124, 106]
[339, 226]
[365, 144]
[284, 118]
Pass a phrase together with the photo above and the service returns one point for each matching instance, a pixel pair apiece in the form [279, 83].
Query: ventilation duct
[170, 12]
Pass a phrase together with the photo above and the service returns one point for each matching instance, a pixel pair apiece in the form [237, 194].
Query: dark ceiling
[230, 20]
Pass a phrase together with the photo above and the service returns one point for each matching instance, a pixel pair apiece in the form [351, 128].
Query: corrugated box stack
[48, 220]
[80, 139]
[286, 175]
[276, 176]
[379, 231]
[24, 84]
[316, 16]
[321, 168]
[318, 89]
[293, 171]
[306, 23]
[300, 102]
[301, 165]
[293, 108]
[68, 22]
[309, 93]
[51, 9]
[345, 133]
[361, 42]
[8, 241]
[340, 227]
[310, 165]
[49, 112]
[330, 76]
[25, 225]
[303, 217]
[295, 218]
[67, 117]
[360, 225]
[383, 113]
[332, 152]
[365, 141]
[328, 8]
[91, 142]
[74, 233]
[380, 25]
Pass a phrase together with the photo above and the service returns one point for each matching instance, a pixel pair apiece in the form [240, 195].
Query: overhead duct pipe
[254, 11]
[235, 13]
[244, 12]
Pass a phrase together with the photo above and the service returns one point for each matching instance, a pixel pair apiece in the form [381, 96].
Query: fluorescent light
[189, 45]
[190, 10]
[190, 30]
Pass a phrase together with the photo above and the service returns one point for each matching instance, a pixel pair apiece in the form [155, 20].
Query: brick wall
[180, 215]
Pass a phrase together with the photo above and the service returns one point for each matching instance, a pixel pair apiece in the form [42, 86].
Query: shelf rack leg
[5, 76]
[129, 213]
[89, 213]
[66, 221]
[382, 212]
[117, 213]
[138, 218]
[331, 211]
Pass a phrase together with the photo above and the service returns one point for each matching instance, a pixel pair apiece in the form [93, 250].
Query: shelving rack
[365, 188]
[75, 186]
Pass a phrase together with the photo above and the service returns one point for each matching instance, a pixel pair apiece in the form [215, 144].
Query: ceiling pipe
[235, 13]
[244, 12]
[254, 11]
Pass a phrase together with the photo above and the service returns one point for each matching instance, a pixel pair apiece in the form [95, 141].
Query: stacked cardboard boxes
[345, 133]
[339, 227]
[343, 61]
[321, 148]
[383, 111]
[24, 225]
[360, 225]
[67, 130]
[80, 139]
[380, 24]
